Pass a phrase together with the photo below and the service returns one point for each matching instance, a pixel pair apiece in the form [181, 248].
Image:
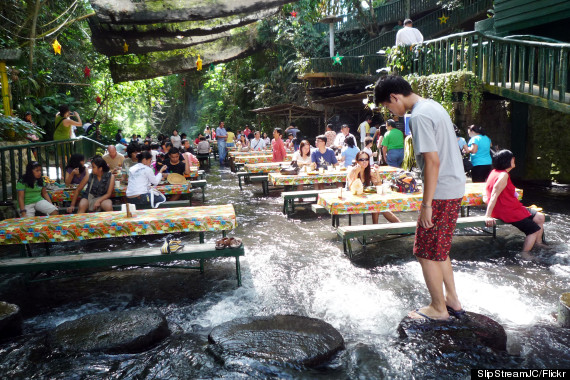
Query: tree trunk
[33, 34]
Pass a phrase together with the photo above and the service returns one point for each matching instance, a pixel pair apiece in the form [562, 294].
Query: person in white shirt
[340, 137]
[364, 130]
[303, 157]
[141, 178]
[266, 139]
[257, 143]
[368, 149]
[409, 35]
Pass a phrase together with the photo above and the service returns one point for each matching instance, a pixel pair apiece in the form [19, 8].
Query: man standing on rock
[435, 146]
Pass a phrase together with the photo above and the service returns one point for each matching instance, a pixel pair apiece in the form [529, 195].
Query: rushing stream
[296, 266]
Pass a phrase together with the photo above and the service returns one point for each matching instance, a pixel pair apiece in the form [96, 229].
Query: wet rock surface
[10, 320]
[287, 339]
[114, 332]
[469, 330]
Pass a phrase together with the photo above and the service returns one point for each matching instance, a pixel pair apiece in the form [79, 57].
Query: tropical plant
[14, 128]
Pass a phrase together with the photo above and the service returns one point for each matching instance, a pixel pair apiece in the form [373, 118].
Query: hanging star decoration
[294, 14]
[56, 47]
[125, 47]
[199, 63]
[87, 72]
[212, 67]
[98, 99]
[443, 19]
[337, 59]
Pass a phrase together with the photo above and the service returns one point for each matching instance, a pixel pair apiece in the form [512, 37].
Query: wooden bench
[318, 209]
[132, 257]
[202, 157]
[202, 185]
[289, 198]
[403, 228]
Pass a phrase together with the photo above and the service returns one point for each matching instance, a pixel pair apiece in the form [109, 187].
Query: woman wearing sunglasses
[361, 170]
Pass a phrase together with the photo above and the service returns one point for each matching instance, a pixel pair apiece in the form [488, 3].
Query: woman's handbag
[291, 170]
[156, 198]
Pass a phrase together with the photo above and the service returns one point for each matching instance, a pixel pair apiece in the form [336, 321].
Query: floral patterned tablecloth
[264, 168]
[61, 195]
[257, 159]
[393, 201]
[61, 228]
[333, 176]
[250, 153]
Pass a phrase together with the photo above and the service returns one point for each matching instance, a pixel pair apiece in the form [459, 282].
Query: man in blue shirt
[221, 137]
[322, 156]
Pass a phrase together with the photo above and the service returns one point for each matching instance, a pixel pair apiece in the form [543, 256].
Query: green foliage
[441, 88]
[14, 128]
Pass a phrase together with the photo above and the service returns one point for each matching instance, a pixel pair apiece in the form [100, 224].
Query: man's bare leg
[436, 274]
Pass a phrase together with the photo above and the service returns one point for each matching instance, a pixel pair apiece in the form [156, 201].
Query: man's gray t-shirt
[432, 131]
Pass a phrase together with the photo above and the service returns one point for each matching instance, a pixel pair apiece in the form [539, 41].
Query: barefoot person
[504, 205]
[437, 155]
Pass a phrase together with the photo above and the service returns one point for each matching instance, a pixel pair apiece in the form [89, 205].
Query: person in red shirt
[247, 131]
[197, 139]
[279, 152]
[503, 203]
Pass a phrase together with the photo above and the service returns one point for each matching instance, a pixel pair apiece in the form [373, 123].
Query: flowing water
[296, 266]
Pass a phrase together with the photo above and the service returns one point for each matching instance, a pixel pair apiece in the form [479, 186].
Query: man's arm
[431, 174]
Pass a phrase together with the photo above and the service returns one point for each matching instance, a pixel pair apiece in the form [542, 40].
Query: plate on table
[370, 190]
[312, 173]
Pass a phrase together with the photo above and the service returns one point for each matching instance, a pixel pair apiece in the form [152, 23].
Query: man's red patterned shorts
[435, 243]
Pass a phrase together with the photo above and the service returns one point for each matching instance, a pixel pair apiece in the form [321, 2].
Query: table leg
[238, 271]
[201, 237]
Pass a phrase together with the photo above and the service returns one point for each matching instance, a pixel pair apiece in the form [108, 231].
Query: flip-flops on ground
[455, 313]
[228, 243]
[427, 318]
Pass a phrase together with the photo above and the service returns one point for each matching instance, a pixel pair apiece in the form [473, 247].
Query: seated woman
[187, 153]
[32, 194]
[361, 170]
[243, 143]
[303, 157]
[141, 178]
[503, 204]
[349, 151]
[75, 169]
[101, 187]
[133, 149]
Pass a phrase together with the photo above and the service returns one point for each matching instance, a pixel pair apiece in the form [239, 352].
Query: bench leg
[202, 266]
[239, 180]
[224, 233]
[201, 238]
[349, 220]
[238, 271]
[349, 245]
[265, 186]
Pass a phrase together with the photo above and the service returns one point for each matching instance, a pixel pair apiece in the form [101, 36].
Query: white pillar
[331, 36]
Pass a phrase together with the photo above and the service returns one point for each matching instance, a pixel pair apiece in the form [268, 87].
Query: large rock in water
[112, 332]
[469, 330]
[288, 339]
[10, 320]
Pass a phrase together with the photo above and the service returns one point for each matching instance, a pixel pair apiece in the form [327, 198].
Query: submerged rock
[471, 329]
[10, 320]
[564, 310]
[287, 339]
[113, 332]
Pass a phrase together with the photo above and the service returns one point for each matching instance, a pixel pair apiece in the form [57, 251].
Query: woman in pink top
[503, 203]
[279, 152]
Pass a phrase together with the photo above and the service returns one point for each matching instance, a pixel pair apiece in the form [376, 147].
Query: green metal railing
[366, 65]
[527, 67]
[47, 154]
[429, 25]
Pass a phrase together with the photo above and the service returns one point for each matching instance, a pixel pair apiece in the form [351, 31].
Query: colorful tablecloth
[250, 153]
[393, 201]
[303, 179]
[61, 228]
[257, 159]
[61, 195]
[264, 168]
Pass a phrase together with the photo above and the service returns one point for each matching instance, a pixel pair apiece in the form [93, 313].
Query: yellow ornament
[199, 63]
[56, 47]
[125, 47]
[443, 19]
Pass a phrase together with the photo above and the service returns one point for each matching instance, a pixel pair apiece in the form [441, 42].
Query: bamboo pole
[5, 89]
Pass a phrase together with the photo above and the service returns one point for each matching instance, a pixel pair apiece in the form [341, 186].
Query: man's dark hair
[154, 146]
[407, 21]
[330, 126]
[202, 138]
[369, 117]
[391, 123]
[344, 126]
[174, 150]
[322, 138]
[390, 84]
[279, 131]
[502, 159]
